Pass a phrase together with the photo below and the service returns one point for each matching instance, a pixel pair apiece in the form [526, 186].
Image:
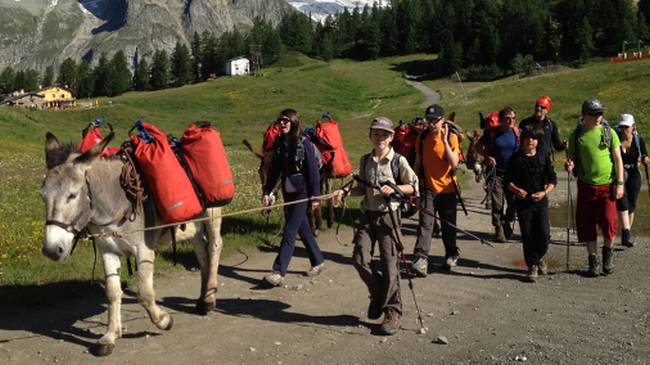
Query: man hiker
[595, 156]
[530, 177]
[541, 119]
[436, 158]
[378, 226]
[496, 146]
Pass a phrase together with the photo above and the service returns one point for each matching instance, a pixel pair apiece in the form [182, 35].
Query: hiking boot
[375, 308]
[452, 261]
[390, 325]
[420, 266]
[542, 269]
[627, 239]
[274, 278]
[608, 260]
[316, 270]
[593, 266]
[531, 275]
[499, 234]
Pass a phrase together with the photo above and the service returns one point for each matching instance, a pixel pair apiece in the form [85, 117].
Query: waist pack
[205, 156]
[172, 189]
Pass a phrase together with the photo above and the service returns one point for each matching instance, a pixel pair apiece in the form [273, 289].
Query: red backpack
[91, 135]
[271, 134]
[172, 189]
[206, 159]
[334, 155]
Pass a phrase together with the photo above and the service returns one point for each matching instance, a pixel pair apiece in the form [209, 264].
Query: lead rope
[347, 185]
[131, 181]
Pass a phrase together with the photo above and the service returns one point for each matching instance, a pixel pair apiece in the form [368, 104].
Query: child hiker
[380, 222]
[530, 177]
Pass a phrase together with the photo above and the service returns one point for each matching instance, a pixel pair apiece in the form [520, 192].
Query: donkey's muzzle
[57, 242]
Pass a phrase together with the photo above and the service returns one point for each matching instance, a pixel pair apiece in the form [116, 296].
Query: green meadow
[241, 107]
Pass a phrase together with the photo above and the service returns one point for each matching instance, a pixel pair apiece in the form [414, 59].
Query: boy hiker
[436, 158]
[530, 177]
[595, 156]
[496, 146]
[541, 119]
[380, 222]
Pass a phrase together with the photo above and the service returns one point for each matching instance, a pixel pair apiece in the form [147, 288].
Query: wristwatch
[620, 183]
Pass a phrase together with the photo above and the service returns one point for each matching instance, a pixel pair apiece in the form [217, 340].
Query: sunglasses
[539, 107]
[282, 121]
[624, 126]
[434, 120]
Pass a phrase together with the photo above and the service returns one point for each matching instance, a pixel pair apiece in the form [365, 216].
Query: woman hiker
[633, 151]
[294, 161]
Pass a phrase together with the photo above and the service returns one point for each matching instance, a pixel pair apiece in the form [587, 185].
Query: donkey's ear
[452, 117]
[95, 151]
[51, 143]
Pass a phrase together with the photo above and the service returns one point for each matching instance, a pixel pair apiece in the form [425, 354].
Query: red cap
[545, 101]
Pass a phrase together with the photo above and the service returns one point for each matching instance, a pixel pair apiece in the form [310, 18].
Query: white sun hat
[626, 120]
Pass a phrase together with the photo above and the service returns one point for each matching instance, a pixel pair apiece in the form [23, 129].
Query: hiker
[377, 171]
[294, 160]
[633, 151]
[595, 156]
[541, 119]
[436, 158]
[496, 146]
[530, 177]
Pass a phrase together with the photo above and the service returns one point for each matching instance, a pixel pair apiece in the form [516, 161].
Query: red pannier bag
[337, 158]
[172, 189]
[404, 141]
[271, 134]
[91, 135]
[207, 161]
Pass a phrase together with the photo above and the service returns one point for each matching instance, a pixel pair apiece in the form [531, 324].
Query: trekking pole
[460, 198]
[647, 178]
[402, 261]
[569, 210]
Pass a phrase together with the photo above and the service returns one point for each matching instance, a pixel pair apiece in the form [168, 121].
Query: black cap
[434, 111]
[592, 107]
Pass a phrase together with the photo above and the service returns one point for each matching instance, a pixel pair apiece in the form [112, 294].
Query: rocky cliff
[38, 33]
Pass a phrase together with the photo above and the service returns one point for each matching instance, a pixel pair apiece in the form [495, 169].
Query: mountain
[38, 33]
[319, 9]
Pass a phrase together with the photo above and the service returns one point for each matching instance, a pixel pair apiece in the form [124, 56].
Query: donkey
[82, 192]
[474, 161]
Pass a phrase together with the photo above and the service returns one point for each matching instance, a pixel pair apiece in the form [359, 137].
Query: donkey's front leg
[146, 293]
[106, 344]
[215, 244]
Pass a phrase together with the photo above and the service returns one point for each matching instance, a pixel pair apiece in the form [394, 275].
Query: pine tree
[119, 74]
[181, 67]
[68, 74]
[48, 76]
[7, 80]
[584, 40]
[196, 57]
[327, 47]
[85, 80]
[19, 81]
[644, 10]
[31, 80]
[141, 78]
[159, 70]
[102, 76]
[389, 33]
[209, 55]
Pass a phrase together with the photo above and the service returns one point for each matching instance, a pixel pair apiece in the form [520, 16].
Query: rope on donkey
[211, 216]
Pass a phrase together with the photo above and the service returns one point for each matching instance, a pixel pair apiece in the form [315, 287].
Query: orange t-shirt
[437, 170]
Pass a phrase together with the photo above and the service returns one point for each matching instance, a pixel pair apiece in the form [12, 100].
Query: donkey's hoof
[170, 323]
[101, 350]
[204, 308]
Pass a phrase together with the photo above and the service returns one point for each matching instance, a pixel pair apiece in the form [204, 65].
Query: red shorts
[596, 207]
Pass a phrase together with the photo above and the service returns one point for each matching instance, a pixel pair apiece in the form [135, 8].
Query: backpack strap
[394, 167]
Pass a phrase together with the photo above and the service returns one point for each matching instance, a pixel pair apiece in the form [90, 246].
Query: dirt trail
[431, 96]
[483, 308]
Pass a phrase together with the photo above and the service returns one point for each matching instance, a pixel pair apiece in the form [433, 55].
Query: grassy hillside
[241, 107]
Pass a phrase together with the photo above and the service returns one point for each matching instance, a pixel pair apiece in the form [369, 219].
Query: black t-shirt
[551, 134]
[631, 156]
[530, 173]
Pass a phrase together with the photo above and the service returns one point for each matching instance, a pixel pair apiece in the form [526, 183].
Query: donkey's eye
[71, 196]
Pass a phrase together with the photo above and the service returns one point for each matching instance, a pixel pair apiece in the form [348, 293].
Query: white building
[238, 66]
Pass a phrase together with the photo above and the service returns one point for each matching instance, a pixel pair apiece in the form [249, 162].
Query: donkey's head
[66, 194]
[473, 158]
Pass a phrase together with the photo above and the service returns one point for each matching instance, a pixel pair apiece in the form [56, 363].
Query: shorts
[596, 208]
